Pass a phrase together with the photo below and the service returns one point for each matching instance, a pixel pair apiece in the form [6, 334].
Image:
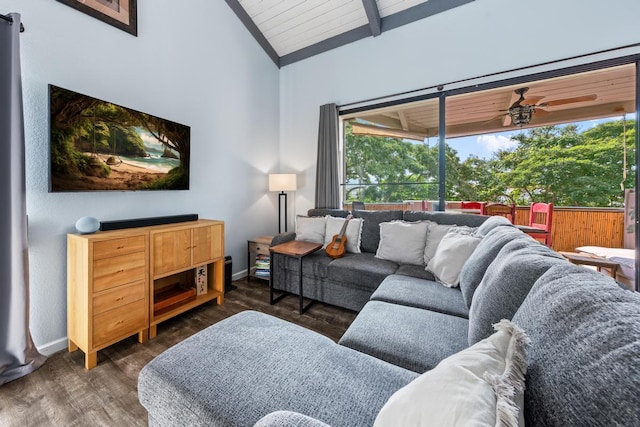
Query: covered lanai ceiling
[292, 30]
[591, 95]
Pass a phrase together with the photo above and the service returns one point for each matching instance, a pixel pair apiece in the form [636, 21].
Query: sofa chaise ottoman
[583, 366]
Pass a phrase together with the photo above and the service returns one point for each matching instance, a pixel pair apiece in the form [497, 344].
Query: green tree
[560, 165]
[555, 164]
[380, 169]
[482, 180]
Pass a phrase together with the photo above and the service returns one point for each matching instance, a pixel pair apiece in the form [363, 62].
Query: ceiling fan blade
[531, 100]
[540, 112]
[555, 102]
[494, 118]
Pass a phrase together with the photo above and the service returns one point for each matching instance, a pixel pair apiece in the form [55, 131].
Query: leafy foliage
[555, 164]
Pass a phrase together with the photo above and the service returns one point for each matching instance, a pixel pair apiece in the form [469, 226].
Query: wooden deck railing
[572, 227]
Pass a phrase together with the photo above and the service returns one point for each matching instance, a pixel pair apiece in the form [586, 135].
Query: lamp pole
[282, 193]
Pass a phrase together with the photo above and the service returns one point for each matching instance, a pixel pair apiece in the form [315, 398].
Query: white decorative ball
[87, 225]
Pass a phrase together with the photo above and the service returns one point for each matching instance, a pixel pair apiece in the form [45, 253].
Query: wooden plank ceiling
[292, 30]
[291, 25]
[596, 94]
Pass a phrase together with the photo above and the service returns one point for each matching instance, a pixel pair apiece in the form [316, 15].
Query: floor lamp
[282, 182]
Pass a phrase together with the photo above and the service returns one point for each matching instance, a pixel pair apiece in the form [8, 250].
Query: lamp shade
[282, 182]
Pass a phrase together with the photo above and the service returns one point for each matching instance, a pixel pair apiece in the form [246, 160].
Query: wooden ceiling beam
[362, 129]
[403, 120]
[373, 15]
[383, 120]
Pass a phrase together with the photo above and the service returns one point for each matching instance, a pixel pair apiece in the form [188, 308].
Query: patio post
[442, 184]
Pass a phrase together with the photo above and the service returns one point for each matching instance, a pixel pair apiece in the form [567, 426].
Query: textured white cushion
[353, 232]
[482, 385]
[435, 235]
[311, 228]
[454, 250]
[403, 242]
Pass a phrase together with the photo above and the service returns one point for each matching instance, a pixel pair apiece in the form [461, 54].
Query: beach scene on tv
[100, 146]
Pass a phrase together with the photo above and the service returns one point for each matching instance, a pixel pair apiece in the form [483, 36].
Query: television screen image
[99, 146]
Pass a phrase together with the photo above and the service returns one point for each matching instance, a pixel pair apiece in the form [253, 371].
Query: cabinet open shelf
[181, 308]
[170, 297]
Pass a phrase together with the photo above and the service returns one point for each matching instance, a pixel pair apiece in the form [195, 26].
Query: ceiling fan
[524, 109]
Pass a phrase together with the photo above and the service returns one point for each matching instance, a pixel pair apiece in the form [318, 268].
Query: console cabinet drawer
[115, 247]
[119, 322]
[119, 270]
[118, 297]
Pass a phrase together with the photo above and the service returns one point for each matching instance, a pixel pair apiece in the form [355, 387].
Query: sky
[485, 145]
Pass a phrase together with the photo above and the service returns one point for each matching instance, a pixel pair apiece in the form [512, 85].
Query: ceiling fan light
[522, 114]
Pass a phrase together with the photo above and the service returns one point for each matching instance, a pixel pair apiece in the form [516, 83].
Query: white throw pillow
[403, 242]
[311, 228]
[353, 232]
[482, 385]
[435, 235]
[454, 250]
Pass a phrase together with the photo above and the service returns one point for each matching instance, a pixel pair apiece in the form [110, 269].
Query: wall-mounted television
[100, 146]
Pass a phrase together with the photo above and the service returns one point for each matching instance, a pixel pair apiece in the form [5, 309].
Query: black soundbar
[146, 222]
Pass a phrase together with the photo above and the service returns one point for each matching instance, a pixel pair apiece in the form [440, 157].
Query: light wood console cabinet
[124, 282]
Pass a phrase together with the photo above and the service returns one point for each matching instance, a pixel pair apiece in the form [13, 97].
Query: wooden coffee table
[296, 249]
[581, 258]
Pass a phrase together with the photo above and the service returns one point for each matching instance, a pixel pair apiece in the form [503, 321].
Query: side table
[255, 247]
[296, 249]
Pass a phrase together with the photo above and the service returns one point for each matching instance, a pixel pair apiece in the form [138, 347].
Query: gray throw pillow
[403, 242]
[436, 233]
[371, 227]
[352, 233]
[506, 284]
[310, 229]
[453, 251]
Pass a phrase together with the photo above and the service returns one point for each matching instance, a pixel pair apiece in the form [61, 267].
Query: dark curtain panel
[327, 184]
[18, 355]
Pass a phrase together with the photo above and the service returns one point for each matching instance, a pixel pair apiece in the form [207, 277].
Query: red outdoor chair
[541, 217]
[474, 205]
[507, 211]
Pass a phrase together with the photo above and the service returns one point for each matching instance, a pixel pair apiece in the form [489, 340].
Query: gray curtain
[18, 355]
[327, 184]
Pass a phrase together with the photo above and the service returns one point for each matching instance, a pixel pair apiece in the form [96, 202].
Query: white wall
[193, 63]
[482, 37]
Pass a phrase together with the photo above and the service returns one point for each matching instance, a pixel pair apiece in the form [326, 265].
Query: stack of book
[263, 263]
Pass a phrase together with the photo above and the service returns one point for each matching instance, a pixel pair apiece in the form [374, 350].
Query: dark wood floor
[63, 393]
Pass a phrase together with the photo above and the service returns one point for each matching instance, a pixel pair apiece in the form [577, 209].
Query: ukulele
[336, 248]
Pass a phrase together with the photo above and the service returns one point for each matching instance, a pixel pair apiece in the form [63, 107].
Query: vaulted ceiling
[292, 30]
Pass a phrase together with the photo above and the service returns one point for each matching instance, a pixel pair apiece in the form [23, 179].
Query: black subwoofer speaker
[227, 275]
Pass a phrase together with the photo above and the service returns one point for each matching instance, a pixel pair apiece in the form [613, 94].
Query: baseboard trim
[53, 347]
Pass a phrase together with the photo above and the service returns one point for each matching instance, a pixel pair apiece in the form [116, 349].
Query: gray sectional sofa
[583, 359]
[349, 281]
